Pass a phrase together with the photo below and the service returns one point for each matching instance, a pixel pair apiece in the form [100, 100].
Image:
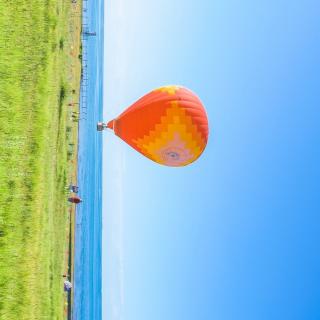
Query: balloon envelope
[168, 125]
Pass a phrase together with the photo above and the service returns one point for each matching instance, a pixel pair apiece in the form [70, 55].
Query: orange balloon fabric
[168, 125]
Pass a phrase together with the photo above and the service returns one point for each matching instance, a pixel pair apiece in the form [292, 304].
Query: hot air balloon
[169, 125]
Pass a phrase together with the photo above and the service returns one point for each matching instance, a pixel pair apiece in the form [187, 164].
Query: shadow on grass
[62, 96]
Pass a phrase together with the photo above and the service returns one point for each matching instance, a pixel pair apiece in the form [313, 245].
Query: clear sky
[236, 234]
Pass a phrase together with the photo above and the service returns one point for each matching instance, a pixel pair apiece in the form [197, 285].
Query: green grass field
[39, 71]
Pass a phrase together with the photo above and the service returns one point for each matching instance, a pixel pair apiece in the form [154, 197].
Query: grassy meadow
[39, 77]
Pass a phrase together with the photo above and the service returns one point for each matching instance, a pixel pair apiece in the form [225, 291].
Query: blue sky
[234, 235]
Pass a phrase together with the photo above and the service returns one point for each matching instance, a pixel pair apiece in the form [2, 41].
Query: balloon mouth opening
[110, 124]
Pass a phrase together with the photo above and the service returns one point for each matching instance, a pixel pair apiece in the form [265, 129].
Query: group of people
[74, 199]
[75, 116]
[67, 285]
